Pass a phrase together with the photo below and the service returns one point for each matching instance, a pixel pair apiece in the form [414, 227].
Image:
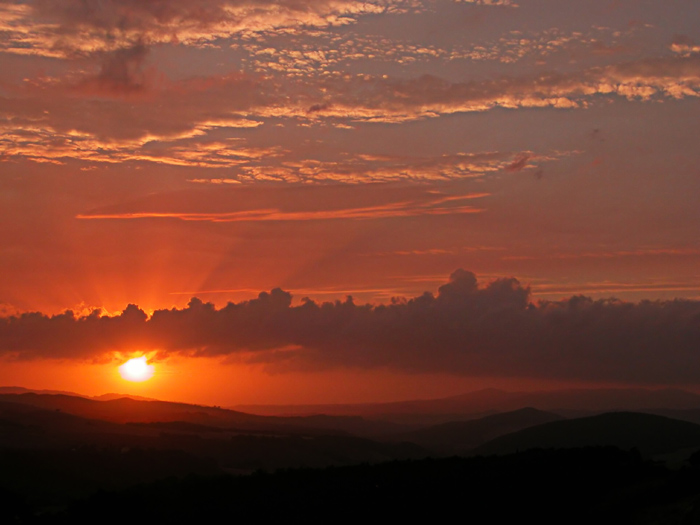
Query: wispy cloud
[393, 100]
[64, 28]
[62, 119]
[641, 252]
[395, 209]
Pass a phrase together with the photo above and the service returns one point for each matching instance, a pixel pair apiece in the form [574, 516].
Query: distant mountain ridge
[22, 390]
[489, 401]
[62, 446]
[102, 397]
[47, 449]
[649, 433]
[129, 410]
[458, 437]
[472, 404]
[110, 396]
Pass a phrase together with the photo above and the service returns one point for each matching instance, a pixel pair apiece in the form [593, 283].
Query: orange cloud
[64, 28]
[393, 100]
[363, 168]
[642, 252]
[684, 46]
[491, 2]
[56, 120]
[395, 209]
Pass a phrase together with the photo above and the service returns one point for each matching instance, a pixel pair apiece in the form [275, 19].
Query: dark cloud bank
[464, 329]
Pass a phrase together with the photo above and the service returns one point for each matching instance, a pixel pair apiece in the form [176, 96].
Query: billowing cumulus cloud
[465, 328]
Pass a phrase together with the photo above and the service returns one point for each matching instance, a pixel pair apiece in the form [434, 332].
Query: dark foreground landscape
[71, 459]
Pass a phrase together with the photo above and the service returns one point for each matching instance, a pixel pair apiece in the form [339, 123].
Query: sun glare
[137, 370]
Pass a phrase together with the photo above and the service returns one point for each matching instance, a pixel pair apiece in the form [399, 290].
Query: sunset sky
[522, 161]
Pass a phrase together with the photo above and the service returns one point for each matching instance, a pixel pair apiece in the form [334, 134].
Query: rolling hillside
[650, 434]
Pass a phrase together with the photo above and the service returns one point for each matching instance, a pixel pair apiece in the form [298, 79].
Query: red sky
[151, 152]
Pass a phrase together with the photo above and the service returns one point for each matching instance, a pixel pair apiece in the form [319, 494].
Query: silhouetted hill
[48, 477]
[25, 426]
[460, 436]
[691, 415]
[22, 390]
[650, 434]
[50, 456]
[102, 397]
[595, 485]
[30, 428]
[126, 409]
[110, 396]
[489, 401]
[129, 410]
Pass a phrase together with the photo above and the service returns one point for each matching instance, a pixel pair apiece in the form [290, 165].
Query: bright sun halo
[137, 370]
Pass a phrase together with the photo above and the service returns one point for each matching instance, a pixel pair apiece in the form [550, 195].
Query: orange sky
[209, 382]
[151, 152]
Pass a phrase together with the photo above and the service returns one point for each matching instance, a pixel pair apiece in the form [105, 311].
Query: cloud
[201, 130]
[409, 208]
[465, 329]
[324, 53]
[112, 118]
[378, 99]
[121, 73]
[67, 28]
[518, 164]
[117, 115]
[684, 45]
[490, 2]
[368, 168]
[641, 252]
[611, 287]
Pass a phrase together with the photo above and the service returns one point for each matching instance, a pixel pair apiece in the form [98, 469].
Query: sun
[137, 370]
